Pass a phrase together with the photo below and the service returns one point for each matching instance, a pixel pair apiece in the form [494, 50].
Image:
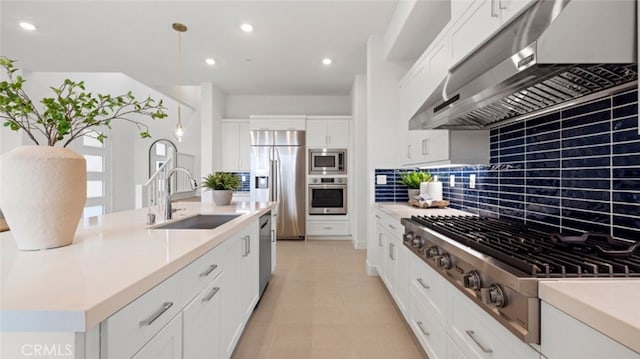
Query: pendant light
[180, 28]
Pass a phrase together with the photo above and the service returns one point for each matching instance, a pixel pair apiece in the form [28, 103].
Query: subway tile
[625, 136]
[512, 158]
[597, 206]
[594, 217]
[627, 123]
[544, 215]
[494, 132]
[512, 150]
[625, 184]
[511, 174]
[512, 214]
[586, 173]
[586, 184]
[624, 148]
[587, 151]
[631, 172]
[625, 98]
[627, 110]
[546, 224]
[543, 137]
[583, 226]
[626, 233]
[585, 194]
[548, 173]
[516, 141]
[543, 200]
[542, 210]
[509, 130]
[627, 209]
[546, 155]
[537, 165]
[598, 139]
[544, 123]
[538, 190]
[629, 197]
[544, 146]
[590, 123]
[586, 108]
[586, 162]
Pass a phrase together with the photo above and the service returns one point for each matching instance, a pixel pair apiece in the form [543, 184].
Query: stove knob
[444, 261]
[494, 295]
[417, 242]
[433, 252]
[408, 237]
[471, 280]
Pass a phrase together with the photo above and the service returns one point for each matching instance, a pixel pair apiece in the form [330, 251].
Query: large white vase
[43, 191]
[222, 197]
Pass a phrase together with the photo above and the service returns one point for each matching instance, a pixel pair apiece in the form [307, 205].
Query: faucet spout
[168, 212]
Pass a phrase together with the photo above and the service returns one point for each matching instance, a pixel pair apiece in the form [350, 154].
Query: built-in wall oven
[327, 195]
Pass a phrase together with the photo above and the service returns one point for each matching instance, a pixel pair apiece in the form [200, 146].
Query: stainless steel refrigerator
[277, 174]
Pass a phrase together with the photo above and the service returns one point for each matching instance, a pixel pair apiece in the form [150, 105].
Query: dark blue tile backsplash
[573, 170]
[244, 181]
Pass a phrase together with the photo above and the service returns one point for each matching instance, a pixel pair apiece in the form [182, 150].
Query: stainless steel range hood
[555, 52]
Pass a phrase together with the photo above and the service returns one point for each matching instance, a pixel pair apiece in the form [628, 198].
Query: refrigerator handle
[276, 175]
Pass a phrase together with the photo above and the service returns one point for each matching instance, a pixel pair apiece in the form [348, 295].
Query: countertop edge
[610, 325]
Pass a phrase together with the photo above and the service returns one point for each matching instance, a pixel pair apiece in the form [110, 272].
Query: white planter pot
[222, 197]
[43, 191]
[413, 192]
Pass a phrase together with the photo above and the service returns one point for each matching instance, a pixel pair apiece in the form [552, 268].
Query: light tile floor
[321, 303]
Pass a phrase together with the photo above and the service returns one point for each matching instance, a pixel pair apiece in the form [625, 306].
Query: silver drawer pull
[378, 217]
[211, 295]
[209, 270]
[156, 315]
[471, 335]
[392, 227]
[422, 283]
[422, 328]
[327, 227]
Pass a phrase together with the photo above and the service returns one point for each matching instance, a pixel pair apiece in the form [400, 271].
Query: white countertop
[399, 210]
[109, 264]
[609, 306]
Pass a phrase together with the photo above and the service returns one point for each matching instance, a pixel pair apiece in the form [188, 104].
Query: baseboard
[359, 245]
[371, 270]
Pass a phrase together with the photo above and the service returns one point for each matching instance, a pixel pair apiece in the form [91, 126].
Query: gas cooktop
[498, 263]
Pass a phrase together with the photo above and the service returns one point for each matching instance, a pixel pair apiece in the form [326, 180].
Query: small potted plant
[222, 184]
[43, 187]
[413, 180]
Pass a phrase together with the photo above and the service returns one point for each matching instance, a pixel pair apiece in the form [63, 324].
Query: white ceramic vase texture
[413, 192]
[43, 191]
[222, 197]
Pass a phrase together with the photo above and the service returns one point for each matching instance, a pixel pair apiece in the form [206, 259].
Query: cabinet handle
[156, 315]
[392, 227]
[248, 244]
[211, 295]
[409, 151]
[425, 147]
[502, 4]
[209, 270]
[379, 239]
[422, 328]
[378, 217]
[391, 252]
[422, 283]
[471, 335]
[327, 227]
[273, 235]
[494, 12]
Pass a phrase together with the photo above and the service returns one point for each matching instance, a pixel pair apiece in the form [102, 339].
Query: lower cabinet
[201, 323]
[199, 312]
[453, 352]
[167, 344]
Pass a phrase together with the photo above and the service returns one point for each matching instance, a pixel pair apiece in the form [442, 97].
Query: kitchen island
[114, 260]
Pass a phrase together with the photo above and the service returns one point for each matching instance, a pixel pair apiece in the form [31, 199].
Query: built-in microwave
[327, 161]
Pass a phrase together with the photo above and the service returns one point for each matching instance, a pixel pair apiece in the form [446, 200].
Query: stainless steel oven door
[327, 199]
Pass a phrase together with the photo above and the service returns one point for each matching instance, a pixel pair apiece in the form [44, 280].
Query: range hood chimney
[554, 54]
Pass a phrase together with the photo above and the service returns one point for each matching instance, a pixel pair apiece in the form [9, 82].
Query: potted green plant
[222, 184]
[413, 179]
[43, 187]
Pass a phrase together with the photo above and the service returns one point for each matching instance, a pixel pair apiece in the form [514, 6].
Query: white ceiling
[281, 57]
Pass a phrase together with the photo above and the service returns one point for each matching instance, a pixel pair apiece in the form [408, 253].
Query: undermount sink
[200, 221]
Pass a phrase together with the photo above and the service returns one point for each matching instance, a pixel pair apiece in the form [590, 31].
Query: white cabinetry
[167, 344]
[285, 123]
[235, 145]
[231, 322]
[201, 323]
[566, 337]
[328, 131]
[443, 147]
[250, 271]
[324, 227]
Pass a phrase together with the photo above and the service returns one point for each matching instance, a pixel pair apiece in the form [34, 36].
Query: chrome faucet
[168, 212]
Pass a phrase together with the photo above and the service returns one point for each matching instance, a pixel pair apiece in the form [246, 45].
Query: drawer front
[393, 225]
[430, 286]
[197, 275]
[429, 331]
[478, 335]
[129, 329]
[337, 228]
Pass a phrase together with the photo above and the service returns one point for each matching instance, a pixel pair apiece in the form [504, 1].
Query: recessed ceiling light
[210, 61]
[27, 26]
[326, 61]
[246, 27]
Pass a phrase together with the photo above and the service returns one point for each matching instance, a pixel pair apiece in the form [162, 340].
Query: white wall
[241, 106]
[212, 110]
[129, 154]
[360, 182]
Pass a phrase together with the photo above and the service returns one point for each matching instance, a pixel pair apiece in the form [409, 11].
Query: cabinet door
[453, 352]
[201, 323]
[338, 133]
[273, 242]
[475, 26]
[244, 146]
[437, 149]
[390, 262]
[413, 90]
[167, 344]
[402, 283]
[250, 271]
[510, 8]
[230, 304]
[316, 133]
[230, 159]
[379, 249]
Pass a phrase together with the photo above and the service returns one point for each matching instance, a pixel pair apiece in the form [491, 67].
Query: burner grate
[530, 249]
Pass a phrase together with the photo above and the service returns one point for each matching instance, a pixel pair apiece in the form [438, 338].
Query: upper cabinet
[235, 145]
[328, 131]
[284, 123]
[445, 147]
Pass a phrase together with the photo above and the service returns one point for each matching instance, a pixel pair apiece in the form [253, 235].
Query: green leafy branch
[71, 112]
[220, 181]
